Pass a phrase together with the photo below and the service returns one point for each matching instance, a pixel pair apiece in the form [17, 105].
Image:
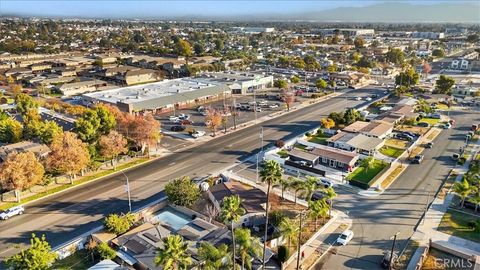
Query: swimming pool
[172, 218]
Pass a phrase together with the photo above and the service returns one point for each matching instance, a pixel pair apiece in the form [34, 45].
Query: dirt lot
[417, 130]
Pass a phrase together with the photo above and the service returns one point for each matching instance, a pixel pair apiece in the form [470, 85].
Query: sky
[170, 9]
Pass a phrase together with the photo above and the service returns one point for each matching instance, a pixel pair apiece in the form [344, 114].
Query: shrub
[282, 254]
[106, 252]
[308, 134]
[279, 143]
[182, 191]
[119, 224]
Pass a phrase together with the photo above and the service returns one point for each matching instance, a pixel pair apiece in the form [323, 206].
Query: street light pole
[391, 253]
[261, 139]
[299, 240]
[127, 187]
[426, 204]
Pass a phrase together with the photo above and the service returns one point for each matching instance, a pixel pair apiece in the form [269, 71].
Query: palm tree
[288, 228]
[329, 194]
[476, 201]
[271, 174]
[297, 186]
[285, 183]
[174, 254]
[463, 189]
[214, 258]
[231, 213]
[367, 163]
[248, 247]
[318, 209]
[310, 186]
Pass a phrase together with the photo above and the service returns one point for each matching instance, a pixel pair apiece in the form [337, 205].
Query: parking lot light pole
[127, 188]
[393, 247]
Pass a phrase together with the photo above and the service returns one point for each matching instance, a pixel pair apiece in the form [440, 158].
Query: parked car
[317, 195]
[177, 128]
[184, 116]
[325, 183]
[423, 124]
[451, 121]
[368, 98]
[404, 136]
[258, 109]
[386, 259]
[186, 122]
[411, 134]
[345, 237]
[435, 115]
[17, 210]
[474, 127]
[305, 164]
[447, 126]
[417, 159]
[429, 145]
[173, 118]
[273, 106]
[455, 156]
[198, 134]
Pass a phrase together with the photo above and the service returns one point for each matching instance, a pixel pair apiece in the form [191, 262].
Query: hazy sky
[159, 9]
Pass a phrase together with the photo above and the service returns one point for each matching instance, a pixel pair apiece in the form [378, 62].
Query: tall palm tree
[329, 194]
[231, 213]
[214, 258]
[285, 184]
[248, 247]
[297, 186]
[310, 186]
[318, 209]
[463, 189]
[288, 228]
[173, 255]
[271, 174]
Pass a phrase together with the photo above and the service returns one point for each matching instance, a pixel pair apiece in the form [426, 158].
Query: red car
[186, 122]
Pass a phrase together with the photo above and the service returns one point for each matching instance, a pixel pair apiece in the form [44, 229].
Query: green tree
[297, 186]
[285, 184]
[321, 84]
[444, 84]
[473, 38]
[219, 44]
[198, 48]
[463, 189]
[475, 200]
[288, 229]
[438, 53]
[310, 186]
[407, 78]
[359, 42]
[107, 120]
[106, 252]
[25, 103]
[355, 56]
[270, 174]
[10, 130]
[282, 255]
[183, 48]
[119, 224]
[316, 209]
[248, 247]
[49, 130]
[37, 257]
[395, 56]
[332, 68]
[214, 258]
[329, 194]
[182, 191]
[367, 163]
[351, 115]
[282, 84]
[174, 254]
[231, 213]
[295, 79]
[87, 126]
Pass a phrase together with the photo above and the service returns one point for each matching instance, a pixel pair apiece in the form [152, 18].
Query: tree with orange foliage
[15, 89]
[112, 145]
[144, 130]
[426, 69]
[20, 171]
[327, 123]
[69, 155]
[213, 120]
[288, 99]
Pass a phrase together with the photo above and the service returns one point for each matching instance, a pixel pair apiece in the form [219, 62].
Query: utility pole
[257, 169]
[127, 188]
[261, 139]
[390, 266]
[299, 243]
[426, 204]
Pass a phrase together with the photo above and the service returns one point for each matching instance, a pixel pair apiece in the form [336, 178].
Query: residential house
[140, 76]
[370, 129]
[359, 143]
[35, 68]
[40, 150]
[76, 88]
[325, 156]
[349, 78]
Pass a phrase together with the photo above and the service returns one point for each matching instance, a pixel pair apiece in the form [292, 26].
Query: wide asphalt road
[64, 216]
[400, 208]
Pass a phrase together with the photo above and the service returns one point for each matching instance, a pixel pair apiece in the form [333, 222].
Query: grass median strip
[392, 176]
[391, 151]
[457, 224]
[84, 179]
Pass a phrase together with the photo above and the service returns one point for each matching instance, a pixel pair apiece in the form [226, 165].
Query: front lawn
[456, 223]
[78, 260]
[282, 153]
[365, 175]
[391, 151]
[430, 121]
[318, 138]
[396, 143]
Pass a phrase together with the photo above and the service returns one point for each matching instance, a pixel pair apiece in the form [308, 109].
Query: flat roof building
[238, 82]
[160, 96]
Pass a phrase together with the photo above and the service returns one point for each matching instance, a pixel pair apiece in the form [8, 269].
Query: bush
[282, 254]
[119, 224]
[279, 143]
[282, 153]
[106, 252]
[182, 191]
[308, 134]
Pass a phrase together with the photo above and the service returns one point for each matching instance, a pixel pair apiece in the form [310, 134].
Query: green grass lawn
[391, 151]
[283, 153]
[430, 121]
[455, 223]
[363, 175]
[77, 261]
[300, 146]
[318, 139]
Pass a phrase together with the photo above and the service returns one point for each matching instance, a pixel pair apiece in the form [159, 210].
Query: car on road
[447, 126]
[198, 134]
[368, 98]
[417, 159]
[273, 106]
[325, 183]
[11, 212]
[429, 145]
[455, 156]
[345, 237]
[177, 128]
[435, 115]
[258, 109]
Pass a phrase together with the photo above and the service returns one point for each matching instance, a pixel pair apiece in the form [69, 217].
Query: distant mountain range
[387, 12]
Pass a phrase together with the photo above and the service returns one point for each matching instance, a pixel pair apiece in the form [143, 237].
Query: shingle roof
[364, 142]
[336, 154]
[303, 155]
[357, 126]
